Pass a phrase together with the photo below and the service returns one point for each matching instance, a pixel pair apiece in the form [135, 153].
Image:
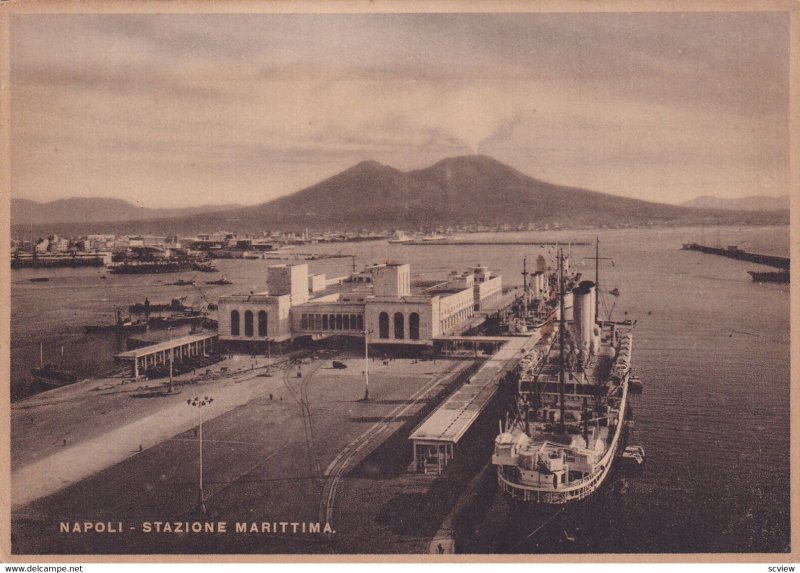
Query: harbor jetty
[734, 252]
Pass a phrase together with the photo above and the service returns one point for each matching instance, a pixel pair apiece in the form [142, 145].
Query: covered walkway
[171, 350]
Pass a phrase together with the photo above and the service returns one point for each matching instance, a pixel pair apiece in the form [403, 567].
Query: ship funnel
[590, 286]
[582, 321]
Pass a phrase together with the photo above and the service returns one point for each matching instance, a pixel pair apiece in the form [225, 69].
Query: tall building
[386, 308]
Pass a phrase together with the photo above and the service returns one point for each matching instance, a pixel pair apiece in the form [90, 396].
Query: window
[234, 323]
[346, 322]
[383, 325]
[338, 322]
[304, 321]
[413, 326]
[399, 325]
[332, 321]
[360, 321]
[324, 322]
[262, 322]
[248, 323]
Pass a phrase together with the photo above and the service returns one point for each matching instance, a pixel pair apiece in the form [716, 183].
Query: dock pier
[734, 252]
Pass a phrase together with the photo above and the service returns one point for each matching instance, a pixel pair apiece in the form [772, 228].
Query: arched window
[248, 323]
[399, 325]
[338, 322]
[346, 322]
[234, 323]
[383, 325]
[262, 322]
[413, 326]
[324, 322]
[332, 321]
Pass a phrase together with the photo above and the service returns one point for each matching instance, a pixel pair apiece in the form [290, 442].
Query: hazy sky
[167, 110]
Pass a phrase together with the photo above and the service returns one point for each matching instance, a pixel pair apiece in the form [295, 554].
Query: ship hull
[580, 490]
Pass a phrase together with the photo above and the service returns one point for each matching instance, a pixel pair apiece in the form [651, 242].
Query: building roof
[452, 419]
[166, 345]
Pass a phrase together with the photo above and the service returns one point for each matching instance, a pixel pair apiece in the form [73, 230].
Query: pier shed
[436, 438]
[176, 350]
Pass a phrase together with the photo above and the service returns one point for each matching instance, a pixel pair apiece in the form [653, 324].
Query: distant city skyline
[173, 110]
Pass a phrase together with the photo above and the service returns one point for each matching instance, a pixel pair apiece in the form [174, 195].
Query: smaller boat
[183, 282]
[52, 375]
[633, 455]
[400, 237]
[176, 304]
[40, 280]
[205, 267]
[614, 291]
[222, 281]
[769, 276]
[122, 325]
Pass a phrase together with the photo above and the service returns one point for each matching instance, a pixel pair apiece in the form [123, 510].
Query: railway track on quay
[344, 460]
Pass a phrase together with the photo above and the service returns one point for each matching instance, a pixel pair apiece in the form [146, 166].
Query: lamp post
[198, 403]
[366, 365]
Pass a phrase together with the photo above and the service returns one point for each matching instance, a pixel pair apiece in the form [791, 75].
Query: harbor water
[711, 346]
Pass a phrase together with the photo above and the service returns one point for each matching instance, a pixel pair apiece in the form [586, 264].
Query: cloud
[168, 107]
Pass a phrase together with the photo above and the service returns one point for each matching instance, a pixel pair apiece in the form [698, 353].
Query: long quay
[436, 438]
[176, 350]
[734, 252]
[440, 242]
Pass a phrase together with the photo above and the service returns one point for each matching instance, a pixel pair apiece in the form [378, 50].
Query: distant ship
[40, 279]
[571, 398]
[769, 276]
[222, 281]
[205, 267]
[400, 237]
[152, 267]
[121, 325]
[183, 282]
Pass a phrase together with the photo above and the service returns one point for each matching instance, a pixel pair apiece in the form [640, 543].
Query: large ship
[572, 392]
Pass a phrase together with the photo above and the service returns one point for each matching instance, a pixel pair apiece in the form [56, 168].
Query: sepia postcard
[399, 281]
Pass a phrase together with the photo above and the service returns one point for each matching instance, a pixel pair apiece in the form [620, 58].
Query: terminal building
[385, 307]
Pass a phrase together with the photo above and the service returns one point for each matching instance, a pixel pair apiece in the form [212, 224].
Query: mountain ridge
[748, 203]
[463, 190]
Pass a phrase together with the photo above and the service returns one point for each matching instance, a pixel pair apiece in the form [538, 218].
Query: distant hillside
[461, 190]
[751, 203]
[94, 210]
[467, 190]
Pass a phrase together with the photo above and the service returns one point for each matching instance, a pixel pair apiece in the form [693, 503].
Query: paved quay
[265, 460]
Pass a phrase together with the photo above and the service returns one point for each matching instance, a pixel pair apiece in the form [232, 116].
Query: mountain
[470, 190]
[94, 210]
[751, 203]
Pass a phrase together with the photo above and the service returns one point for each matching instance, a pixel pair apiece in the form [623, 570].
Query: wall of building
[289, 279]
[383, 314]
[488, 292]
[327, 318]
[455, 308]
[316, 283]
[391, 279]
[277, 309]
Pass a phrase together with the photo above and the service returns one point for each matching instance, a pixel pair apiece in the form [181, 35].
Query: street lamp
[198, 403]
[366, 334]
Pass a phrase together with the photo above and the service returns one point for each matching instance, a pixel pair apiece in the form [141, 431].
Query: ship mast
[597, 279]
[561, 329]
[525, 288]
